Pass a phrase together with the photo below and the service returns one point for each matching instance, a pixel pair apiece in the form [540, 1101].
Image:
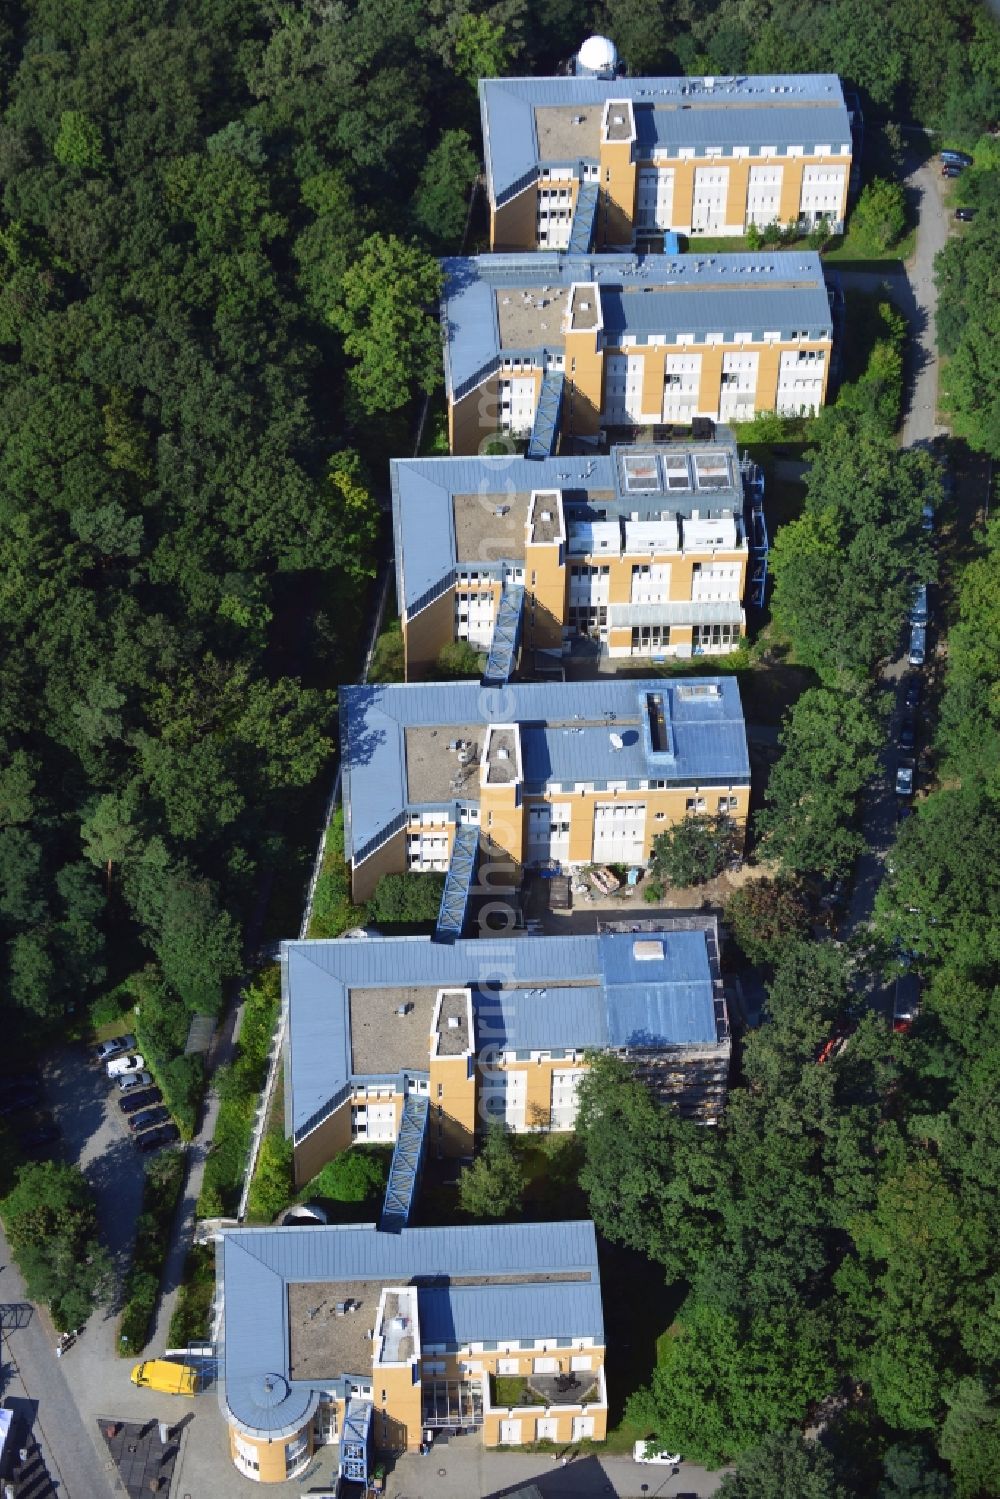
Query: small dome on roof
[598, 57]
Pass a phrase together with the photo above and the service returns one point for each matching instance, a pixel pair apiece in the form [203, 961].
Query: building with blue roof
[643, 551]
[607, 344]
[371, 1341]
[553, 774]
[658, 155]
[493, 1028]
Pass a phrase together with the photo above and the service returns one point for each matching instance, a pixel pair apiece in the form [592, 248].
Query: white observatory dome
[597, 58]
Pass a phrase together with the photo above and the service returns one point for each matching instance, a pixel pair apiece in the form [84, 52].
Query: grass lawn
[846, 252]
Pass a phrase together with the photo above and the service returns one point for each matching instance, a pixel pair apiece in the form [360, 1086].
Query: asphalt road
[463, 1468]
[38, 1386]
[916, 296]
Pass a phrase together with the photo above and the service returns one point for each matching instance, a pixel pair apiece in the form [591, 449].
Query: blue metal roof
[780, 291]
[674, 111]
[652, 998]
[530, 993]
[424, 491]
[257, 1265]
[564, 736]
[466, 1314]
[740, 307]
[703, 128]
[560, 1017]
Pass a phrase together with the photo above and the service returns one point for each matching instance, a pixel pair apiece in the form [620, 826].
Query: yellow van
[169, 1378]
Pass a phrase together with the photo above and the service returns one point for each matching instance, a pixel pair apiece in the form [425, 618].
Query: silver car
[918, 645]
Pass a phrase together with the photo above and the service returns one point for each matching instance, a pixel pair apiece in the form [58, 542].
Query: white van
[645, 1452]
[134, 1062]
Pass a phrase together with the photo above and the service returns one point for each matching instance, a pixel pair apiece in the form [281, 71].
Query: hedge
[192, 1314]
[239, 1087]
[160, 1194]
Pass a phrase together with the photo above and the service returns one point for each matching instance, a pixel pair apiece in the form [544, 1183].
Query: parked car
[905, 1001]
[643, 1452]
[904, 777]
[118, 1066]
[907, 733]
[127, 1080]
[155, 1139]
[965, 215]
[914, 692]
[918, 609]
[146, 1118]
[917, 653]
[956, 158]
[952, 169]
[113, 1048]
[144, 1099]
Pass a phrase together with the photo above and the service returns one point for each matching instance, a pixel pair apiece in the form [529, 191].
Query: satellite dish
[597, 58]
[617, 742]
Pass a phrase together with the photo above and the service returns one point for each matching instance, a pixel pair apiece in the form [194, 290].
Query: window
[647, 638]
[714, 637]
[694, 804]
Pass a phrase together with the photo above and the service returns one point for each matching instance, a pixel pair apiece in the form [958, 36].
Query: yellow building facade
[643, 552]
[648, 157]
[617, 344]
[377, 1343]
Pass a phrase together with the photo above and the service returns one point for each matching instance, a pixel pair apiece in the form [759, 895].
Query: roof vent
[503, 753]
[404, 1009]
[617, 742]
[546, 515]
[646, 950]
[454, 1021]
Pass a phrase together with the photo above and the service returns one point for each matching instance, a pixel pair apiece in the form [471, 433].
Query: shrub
[406, 900]
[162, 1023]
[190, 1322]
[388, 658]
[239, 1087]
[879, 218]
[333, 911]
[357, 1175]
[458, 662]
[271, 1188]
[108, 1009]
[160, 1193]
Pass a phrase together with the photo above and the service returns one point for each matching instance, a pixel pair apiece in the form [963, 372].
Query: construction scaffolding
[407, 1160]
[756, 524]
